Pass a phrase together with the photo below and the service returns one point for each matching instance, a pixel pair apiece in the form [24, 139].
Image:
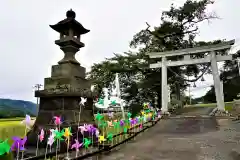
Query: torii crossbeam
[212, 58]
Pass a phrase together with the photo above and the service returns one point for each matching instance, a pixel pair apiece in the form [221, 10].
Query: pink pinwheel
[110, 124]
[83, 128]
[18, 143]
[50, 140]
[53, 132]
[77, 145]
[57, 120]
[41, 136]
[97, 133]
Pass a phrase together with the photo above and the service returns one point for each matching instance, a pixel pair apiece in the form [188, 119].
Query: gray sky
[27, 42]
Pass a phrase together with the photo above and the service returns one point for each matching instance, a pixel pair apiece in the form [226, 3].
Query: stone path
[184, 139]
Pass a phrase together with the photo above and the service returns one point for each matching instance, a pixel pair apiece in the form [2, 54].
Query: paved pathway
[184, 139]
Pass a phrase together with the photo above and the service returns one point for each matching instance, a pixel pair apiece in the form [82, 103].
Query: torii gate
[213, 58]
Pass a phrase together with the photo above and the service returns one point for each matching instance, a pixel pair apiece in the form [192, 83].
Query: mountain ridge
[17, 108]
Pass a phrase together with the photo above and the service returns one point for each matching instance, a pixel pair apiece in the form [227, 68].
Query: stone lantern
[62, 91]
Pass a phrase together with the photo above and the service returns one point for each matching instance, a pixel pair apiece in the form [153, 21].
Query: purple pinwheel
[137, 120]
[91, 129]
[121, 123]
[18, 143]
[132, 121]
[77, 145]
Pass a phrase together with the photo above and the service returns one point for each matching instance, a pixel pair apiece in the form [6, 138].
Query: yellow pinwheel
[101, 139]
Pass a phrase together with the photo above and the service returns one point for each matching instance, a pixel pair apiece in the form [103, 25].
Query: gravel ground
[184, 139]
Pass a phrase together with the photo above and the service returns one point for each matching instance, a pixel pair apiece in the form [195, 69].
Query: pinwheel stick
[68, 146]
[46, 152]
[37, 146]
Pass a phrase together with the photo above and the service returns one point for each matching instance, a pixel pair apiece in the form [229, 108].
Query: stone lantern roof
[69, 22]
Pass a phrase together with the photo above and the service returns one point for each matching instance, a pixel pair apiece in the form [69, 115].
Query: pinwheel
[52, 131]
[83, 129]
[125, 130]
[132, 122]
[27, 122]
[99, 116]
[83, 101]
[129, 114]
[101, 139]
[86, 142]
[67, 132]
[116, 125]
[101, 101]
[40, 138]
[111, 114]
[91, 129]
[121, 123]
[50, 140]
[18, 143]
[41, 135]
[103, 124]
[113, 102]
[97, 133]
[4, 147]
[57, 120]
[110, 137]
[126, 121]
[77, 145]
[58, 135]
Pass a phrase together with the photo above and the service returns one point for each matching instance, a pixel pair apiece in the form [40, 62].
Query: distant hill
[16, 108]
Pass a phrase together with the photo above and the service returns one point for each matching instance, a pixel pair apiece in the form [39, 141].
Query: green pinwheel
[103, 124]
[86, 142]
[59, 135]
[148, 111]
[4, 147]
[129, 114]
[99, 116]
[116, 124]
[126, 121]
[101, 101]
[125, 130]
[113, 102]
[110, 137]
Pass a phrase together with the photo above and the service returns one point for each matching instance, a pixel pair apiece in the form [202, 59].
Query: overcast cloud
[27, 42]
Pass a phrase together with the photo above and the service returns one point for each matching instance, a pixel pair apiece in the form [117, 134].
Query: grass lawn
[228, 105]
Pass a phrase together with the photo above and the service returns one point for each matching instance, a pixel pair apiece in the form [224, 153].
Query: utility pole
[37, 88]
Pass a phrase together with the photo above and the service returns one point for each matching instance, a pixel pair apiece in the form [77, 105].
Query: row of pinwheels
[56, 135]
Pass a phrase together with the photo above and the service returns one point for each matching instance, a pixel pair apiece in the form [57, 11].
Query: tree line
[177, 30]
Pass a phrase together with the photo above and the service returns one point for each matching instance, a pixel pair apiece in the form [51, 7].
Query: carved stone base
[66, 107]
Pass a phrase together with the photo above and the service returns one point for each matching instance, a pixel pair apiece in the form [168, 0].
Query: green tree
[178, 29]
